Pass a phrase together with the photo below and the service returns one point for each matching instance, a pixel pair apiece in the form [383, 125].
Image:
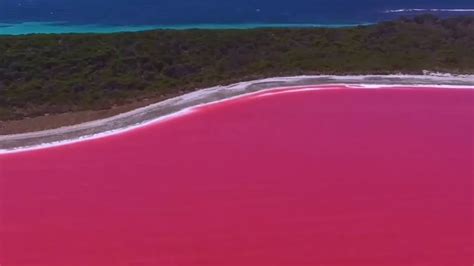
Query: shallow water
[60, 27]
[111, 16]
[333, 177]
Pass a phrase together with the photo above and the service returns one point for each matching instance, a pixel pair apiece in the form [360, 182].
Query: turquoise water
[59, 27]
[106, 16]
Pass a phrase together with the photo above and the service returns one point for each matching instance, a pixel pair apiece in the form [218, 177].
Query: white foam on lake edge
[96, 135]
[276, 91]
[198, 94]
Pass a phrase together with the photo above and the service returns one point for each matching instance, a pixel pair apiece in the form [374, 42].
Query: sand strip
[180, 104]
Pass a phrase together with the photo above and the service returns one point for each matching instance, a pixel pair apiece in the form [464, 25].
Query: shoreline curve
[183, 104]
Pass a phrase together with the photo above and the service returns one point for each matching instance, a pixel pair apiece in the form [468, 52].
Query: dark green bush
[58, 73]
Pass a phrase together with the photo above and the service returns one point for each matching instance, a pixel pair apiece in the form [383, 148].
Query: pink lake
[337, 177]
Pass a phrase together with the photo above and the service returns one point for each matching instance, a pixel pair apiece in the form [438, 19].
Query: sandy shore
[180, 104]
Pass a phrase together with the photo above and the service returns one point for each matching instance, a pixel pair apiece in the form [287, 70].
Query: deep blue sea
[54, 16]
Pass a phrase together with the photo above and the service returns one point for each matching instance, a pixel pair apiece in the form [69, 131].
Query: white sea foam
[277, 91]
[98, 135]
[408, 10]
[128, 128]
[238, 86]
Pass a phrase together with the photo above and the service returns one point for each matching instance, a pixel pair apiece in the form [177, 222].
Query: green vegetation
[42, 74]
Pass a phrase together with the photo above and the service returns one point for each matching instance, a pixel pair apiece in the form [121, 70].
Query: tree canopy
[58, 73]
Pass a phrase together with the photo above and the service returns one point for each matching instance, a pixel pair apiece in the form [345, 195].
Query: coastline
[67, 79]
[26, 28]
[185, 103]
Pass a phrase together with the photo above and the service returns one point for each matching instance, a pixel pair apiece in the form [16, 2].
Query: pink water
[336, 177]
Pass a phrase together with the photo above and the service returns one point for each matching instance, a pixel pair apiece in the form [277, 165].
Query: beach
[175, 106]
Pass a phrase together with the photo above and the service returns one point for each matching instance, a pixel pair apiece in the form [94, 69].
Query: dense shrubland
[42, 74]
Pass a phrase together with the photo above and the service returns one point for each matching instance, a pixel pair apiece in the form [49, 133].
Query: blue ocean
[57, 16]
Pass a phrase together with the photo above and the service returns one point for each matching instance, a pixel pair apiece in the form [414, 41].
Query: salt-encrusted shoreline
[184, 103]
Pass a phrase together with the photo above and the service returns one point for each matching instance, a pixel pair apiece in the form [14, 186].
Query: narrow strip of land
[161, 109]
